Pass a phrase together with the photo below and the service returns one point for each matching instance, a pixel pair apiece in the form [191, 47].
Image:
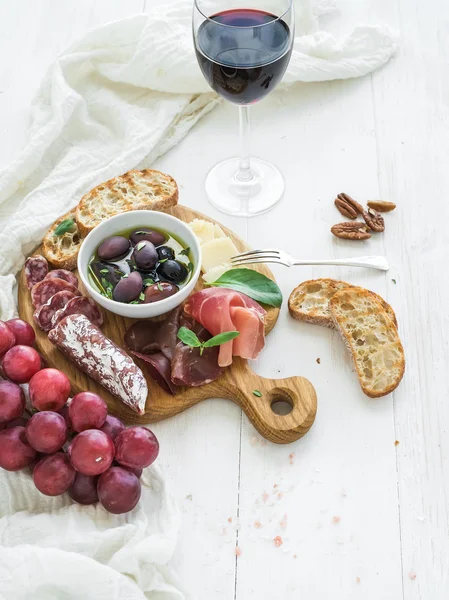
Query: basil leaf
[159, 286]
[221, 338]
[257, 393]
[104, 271]
[148, 281]
[141, 296]
[185, 252]
[64, 227]
[191, 266]
[140, 245]
[189, 337]
[163, 260]
[253, 284]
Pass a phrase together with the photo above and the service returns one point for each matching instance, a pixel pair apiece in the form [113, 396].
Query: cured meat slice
[148, 337]
[42, 292]
[159, 368]
[191, 368]
[95, 354]
[79, 305]
[222, 309]
[36, 269]
[63, 274]
[44, 314]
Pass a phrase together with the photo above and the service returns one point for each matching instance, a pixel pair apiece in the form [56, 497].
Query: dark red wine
[243, 53]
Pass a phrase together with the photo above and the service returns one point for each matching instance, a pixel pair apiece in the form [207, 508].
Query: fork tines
[256, 256]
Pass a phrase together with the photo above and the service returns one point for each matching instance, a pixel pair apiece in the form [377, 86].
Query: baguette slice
[372, 339]
[309, 301]
[62, 250]
[135, 190]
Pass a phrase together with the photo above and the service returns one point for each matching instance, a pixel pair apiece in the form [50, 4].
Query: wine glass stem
[244, 173]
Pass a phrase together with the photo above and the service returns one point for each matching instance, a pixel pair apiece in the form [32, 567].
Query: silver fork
[282, 258]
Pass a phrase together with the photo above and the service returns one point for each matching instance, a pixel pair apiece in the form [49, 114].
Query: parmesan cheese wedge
[216, 272]
[218, 252]
[204, 231]
[218, 231]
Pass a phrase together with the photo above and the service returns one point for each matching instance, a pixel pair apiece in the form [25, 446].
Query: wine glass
[243, 48]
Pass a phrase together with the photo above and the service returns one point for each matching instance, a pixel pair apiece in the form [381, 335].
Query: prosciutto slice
[222, 309]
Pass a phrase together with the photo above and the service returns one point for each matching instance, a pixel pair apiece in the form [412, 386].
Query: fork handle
[372, 262]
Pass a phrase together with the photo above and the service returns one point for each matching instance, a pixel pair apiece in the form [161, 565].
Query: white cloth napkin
[115, 100]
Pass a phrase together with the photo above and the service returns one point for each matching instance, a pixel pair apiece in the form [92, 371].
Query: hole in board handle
[281, 405]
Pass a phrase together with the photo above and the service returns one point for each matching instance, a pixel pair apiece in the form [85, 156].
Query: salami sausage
[63, 274]
[36, 269]
[79, 305]
[44, 314]
[95, 354]
[42, 292]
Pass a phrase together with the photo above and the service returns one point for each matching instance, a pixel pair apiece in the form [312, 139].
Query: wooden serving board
[237, 382]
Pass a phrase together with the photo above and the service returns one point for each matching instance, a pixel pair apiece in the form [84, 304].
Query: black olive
[113, 248]
[173, 271]
[144, 256]
[165, 253]
[103, 270]
[159, 291]
[145, 233]
[128, 288]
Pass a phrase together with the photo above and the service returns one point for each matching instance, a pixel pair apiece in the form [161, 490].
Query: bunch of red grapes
[71, 446]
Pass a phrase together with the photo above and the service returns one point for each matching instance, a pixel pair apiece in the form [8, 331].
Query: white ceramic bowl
[127, 220]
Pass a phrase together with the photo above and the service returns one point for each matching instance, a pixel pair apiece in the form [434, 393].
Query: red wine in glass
[243, 53]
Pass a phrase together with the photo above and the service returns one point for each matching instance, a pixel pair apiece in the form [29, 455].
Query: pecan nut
[351, 230]
[351, 205]
[381, 205]
[346, 209]
[374, 220]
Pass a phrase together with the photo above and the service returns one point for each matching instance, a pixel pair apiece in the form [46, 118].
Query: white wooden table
[362, 501]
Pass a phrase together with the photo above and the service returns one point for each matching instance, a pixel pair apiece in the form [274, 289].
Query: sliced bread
[372, 339]
[309, 301]
[62, 242]
[135, 190]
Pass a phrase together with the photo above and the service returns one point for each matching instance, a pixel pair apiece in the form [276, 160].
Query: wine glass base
[244, 198]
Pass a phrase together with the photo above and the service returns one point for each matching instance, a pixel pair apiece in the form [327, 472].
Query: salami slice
[95, 354]
[36, 269]
[80, 305]
[42, 292]
[44, 315]
[63, 274]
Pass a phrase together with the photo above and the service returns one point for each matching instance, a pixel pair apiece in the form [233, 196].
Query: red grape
[137, 472]
[7, 338]
[20, 363]
[47, 431]
[136, 447]
[15, 451]
[23, 332]
[65, 413]
[112, 426]
[87, 411]
[84, 489]
[12, 401]
[91, 452]
[49, 389]
[53, 474]
[118, 490]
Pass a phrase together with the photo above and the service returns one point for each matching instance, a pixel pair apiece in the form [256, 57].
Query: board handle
[262, 398]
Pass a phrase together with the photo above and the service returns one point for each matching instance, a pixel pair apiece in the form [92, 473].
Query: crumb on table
[278, 541]
[318, 360]
[238, 551]
[396, 443]
[336, 520]
[258, 524]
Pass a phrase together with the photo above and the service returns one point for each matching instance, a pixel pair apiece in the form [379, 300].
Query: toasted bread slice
[135, 190]
[61, 250]
[372, 339]
[309, 301]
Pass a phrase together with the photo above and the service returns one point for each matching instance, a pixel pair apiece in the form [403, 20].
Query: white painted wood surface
[360, 517]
